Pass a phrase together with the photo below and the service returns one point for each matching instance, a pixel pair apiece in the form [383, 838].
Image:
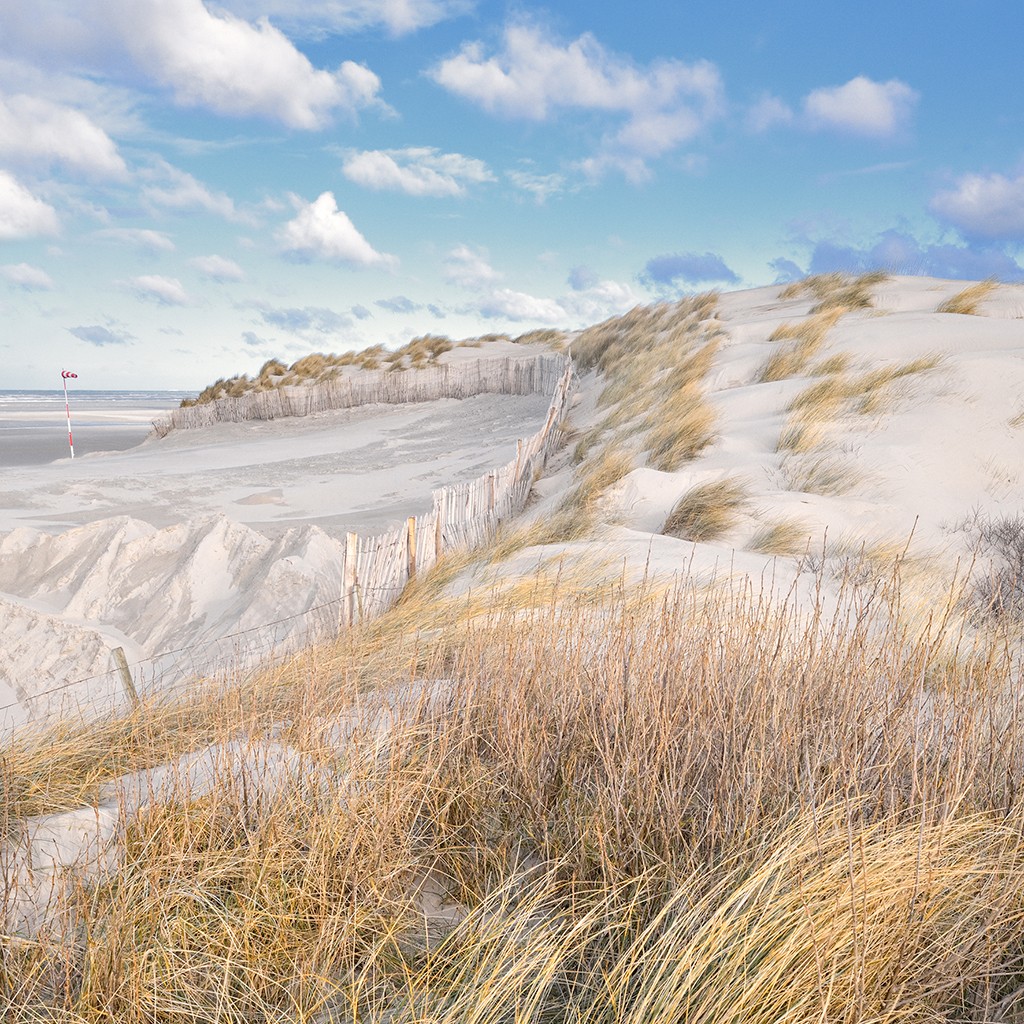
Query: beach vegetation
[707, 511]
[780, 537]
[968, 301]
[661, 806]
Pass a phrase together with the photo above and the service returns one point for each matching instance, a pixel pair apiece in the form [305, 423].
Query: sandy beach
[33, 424]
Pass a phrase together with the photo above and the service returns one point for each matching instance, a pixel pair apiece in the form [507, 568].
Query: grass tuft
[706, 511]
[966, 302]
[780, 537]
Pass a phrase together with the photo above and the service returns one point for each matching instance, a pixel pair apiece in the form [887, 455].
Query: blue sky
[190, 188]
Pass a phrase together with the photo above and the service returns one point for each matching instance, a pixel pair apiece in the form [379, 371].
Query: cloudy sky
[188, 188]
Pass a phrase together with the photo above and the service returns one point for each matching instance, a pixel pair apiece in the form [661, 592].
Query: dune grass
[836, 290]
[967, 302]
[872, 392]
[820, 471]
[693, 807]
[654, 361]
[807, 337]
[780, 537]
[707, 510]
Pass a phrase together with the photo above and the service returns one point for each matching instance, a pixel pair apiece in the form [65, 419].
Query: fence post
[351, 554]
[410, 543]
[126, 675]
[439, 529]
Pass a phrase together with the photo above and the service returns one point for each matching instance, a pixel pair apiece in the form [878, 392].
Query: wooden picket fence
[507, 375]
[377, 569]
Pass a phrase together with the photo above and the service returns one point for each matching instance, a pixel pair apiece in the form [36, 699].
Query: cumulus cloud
[97, 335]
[469, 268]
[27, 277]
[862, 107]
[902, 253]
[664, 104]
[229, 65]
[140, 238]
[338, 16]
[399, 304]
[674, 269]
[22, 215]
[517, 307]
[360, 312]
[218, 268]
[167, 291]
[417, 171]
[984, 206]
[253, 340]
[175, 189]
[37, 131]
[306, 320]
[321, 231]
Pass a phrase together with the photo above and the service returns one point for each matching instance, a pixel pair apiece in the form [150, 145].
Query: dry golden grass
[655, 360]
[696, 807]
[820, 472]
[606, 467]
[679, 430]
[1018, 420]
[869, 393]
[780, 537]
[543, 336]
[966, 302]
[706, 511]
[836, 290]
[807, 337]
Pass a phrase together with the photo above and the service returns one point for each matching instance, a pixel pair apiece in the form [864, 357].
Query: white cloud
[540, 186]
[598, 301]
[167, 291]
[142, 238]
[27, 277]
[985, 205]
[330, 16]
[506, 304]
[178, 190]
[417, 171]
[768, 112]
[22, 215]
[320, 230]
[36, 131]
[665, 103]
[218, 268]
[226, 64]
[862, 107]
[468, 268]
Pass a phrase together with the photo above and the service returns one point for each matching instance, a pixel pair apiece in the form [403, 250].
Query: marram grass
[693, 806]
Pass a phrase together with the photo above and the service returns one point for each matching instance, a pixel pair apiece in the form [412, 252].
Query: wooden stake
[410, 539]
[351, 553]
[126, 675]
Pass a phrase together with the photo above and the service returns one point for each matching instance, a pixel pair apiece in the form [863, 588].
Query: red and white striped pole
[64, 375]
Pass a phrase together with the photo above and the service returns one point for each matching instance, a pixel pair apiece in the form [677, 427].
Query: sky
[188, 189]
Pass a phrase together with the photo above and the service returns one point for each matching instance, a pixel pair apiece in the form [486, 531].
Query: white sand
[209, 533]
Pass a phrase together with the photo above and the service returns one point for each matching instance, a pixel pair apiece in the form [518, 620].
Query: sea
[34, 428]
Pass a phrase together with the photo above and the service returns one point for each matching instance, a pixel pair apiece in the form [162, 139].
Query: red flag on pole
[65, 374]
